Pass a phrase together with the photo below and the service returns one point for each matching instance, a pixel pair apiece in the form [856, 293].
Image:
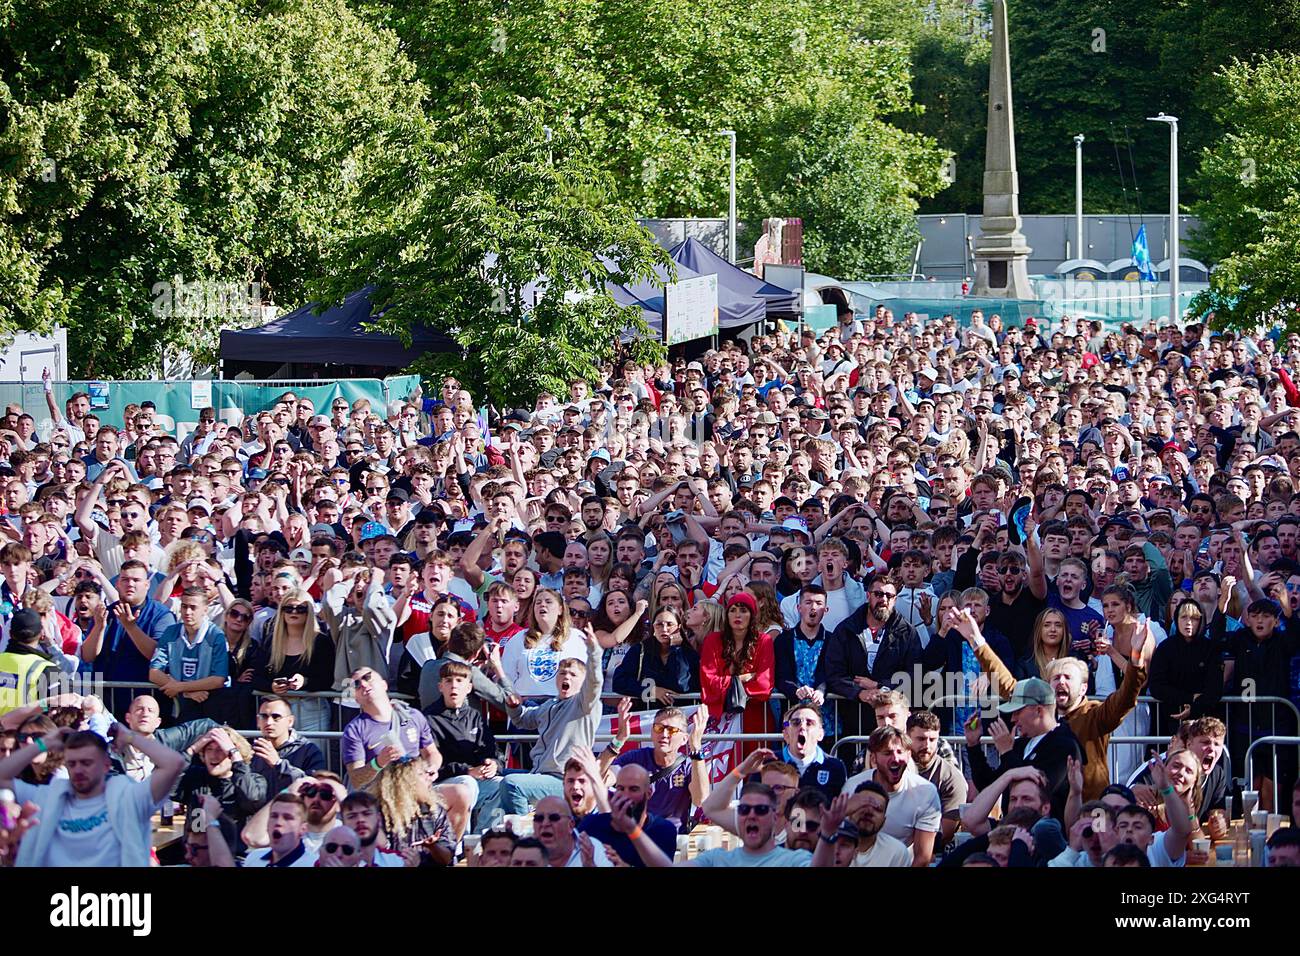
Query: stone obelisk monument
[1001, 254]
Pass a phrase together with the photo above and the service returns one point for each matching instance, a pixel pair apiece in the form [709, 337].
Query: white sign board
[690, 309]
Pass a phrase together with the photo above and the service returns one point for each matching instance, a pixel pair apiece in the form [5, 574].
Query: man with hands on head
[322, 795]
[90, 818]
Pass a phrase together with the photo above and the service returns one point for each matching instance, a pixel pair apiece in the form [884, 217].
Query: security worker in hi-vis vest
[24, 662]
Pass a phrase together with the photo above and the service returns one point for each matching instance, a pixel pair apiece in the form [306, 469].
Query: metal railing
[1274, 743]
[334, 759]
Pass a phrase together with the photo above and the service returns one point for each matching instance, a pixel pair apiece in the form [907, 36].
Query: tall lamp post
[1078, 196]
[1175, 312]
[731, 200]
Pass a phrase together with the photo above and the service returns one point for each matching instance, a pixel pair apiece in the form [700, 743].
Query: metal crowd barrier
[1274, 743]
[334, 759]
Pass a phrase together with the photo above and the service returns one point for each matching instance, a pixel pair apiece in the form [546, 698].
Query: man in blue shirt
[633, 783]
[120, 649]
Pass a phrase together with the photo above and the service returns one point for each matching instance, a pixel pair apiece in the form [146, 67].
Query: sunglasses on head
[295, 608]
[323, 791]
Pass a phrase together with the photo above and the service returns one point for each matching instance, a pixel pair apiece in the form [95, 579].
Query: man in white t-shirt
[287, 828]
[91, 819]
[914, 814]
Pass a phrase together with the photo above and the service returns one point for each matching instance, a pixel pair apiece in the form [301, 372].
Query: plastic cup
[1223, 854]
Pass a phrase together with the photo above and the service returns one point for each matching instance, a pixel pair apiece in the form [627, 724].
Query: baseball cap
[323, 529]
[599, 453]
[797, 525]
[929, 372]
[199, 503]
[694, 367]
[300, 554]
[1028, 693]
[398, 494]
[25, 625]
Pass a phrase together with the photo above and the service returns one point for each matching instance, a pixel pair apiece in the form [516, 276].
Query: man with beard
[287, 829]
[803, 818]
[580, 787]
[360, 812]
[914, 815]
[865, 653]
[923, 735]
[677, 782]
[321, 795]
[803, 733]
[1136, 826]
[867, 809]
[632, 782]
[91, 819]
[757, 816]
[555, 828]
[1091, 721]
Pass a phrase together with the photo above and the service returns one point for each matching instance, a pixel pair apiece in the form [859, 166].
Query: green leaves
[504, 240]
[1251, 223]
[203, 141]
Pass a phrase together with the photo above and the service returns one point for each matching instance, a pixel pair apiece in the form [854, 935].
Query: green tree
[215, 142]
[1250, 220]
[649, 83]
[507, 240]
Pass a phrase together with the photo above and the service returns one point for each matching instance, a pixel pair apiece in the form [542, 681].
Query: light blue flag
[1142, 255]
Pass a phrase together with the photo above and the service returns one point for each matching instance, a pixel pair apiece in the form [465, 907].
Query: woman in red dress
[739, 652]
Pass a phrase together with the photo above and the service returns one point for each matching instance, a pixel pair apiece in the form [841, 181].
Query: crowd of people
[879, 596]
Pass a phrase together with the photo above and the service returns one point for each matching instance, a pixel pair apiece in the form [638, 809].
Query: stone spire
[1001, 254]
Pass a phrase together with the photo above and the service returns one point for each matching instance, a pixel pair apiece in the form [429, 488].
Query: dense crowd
[876, 597]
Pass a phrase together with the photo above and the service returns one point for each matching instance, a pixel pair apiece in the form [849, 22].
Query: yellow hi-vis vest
[20, 678]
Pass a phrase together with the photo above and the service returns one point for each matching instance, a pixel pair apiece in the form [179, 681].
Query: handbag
[737, 698]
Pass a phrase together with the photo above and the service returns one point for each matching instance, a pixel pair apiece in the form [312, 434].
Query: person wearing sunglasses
[555, 829]
[340, 848]
[758, 821]
[280, 754]
[321, 793]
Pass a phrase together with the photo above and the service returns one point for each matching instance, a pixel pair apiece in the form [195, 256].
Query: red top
[715, 677]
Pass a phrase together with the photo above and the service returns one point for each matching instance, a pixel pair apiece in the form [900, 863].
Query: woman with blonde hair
[702, 620]
[299, 657]
[414, 816]
[531, 659]
[1050, 640]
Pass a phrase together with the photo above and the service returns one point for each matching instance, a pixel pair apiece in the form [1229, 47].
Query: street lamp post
[731, 200]
[1175, 312]
[1078, 196]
